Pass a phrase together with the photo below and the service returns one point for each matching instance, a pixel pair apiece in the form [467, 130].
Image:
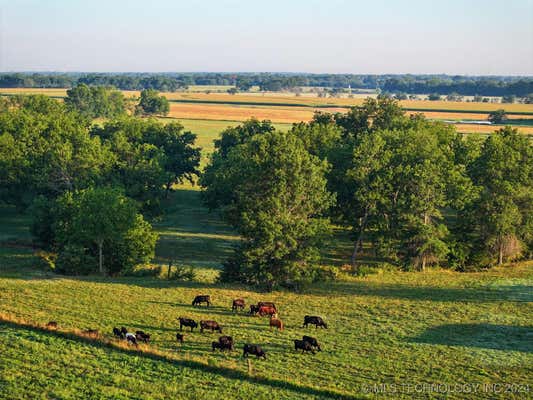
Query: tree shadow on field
[488, 336]
[226, 372]
[517, 293]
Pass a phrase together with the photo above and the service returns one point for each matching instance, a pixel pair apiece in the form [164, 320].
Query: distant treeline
[442, 84]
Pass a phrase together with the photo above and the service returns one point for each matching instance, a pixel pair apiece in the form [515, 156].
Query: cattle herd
[306, 344]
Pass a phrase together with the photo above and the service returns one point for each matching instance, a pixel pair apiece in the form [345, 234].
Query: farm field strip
[289, 100]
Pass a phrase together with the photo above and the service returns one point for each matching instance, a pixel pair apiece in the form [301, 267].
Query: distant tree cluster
[169, 82]
[415, 191]
[83, 181]
[151, 103]
[96, 101]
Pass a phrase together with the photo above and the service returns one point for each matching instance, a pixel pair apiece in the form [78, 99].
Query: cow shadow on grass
[488, 336]
[229, 373]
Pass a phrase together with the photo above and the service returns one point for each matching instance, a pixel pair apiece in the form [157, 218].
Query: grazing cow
[314, 320]
[187, 322]
[254, 309]
[253, 349]
[118, 333]
[179, 337]
[143, 337]
[266, 310]
[51, 325]
[303, 345]
[202, 299]
[237, 304]
[91, 332]
[276, 322]
[227, 341]
[221, 345]
[124, 331]
[266, 304]
[312, 341]
[213, 325]
[130, 337]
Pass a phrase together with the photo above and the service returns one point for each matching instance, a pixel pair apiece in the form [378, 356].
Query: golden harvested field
[463, 116]
[47, 92]
[486, 129]
[317, 101]
[239, 113]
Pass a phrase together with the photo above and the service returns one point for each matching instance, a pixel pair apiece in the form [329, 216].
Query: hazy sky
[481, 37]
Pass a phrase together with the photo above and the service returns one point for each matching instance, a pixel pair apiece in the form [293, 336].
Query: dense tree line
[88, 185]
[466, 86]
[414, 191]
[417, 84]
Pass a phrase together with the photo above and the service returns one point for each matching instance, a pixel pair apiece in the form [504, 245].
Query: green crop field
[392, 328]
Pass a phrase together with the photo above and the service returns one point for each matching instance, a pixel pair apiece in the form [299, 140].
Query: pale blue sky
[476, 37]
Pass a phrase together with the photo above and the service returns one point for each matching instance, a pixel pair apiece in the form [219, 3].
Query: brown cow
[213, 325]
[267, 304]
[267, 310]
[276, 322]
[51, 325]
[237, 304]
[179, 337]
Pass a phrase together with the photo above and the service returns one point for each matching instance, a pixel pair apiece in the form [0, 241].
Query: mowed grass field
[408, 329]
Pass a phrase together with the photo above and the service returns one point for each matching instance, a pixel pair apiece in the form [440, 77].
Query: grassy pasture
[392, 328]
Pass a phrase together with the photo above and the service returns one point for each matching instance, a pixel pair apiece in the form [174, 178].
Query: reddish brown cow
[266, 310]
[277, 323]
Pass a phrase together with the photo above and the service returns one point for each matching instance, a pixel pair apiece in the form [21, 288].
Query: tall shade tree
[273, 192]
[44, 149]
[148, 157]
[499, 222]
[103, 217]
[151, 103]
[393, 175]
[96, 101]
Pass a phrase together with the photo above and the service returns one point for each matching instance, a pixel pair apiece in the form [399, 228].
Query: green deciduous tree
[273, 191]
[44, 149]
[498, 223]
[497, 117]
[151, 103]
[96, 101]
[107, 221]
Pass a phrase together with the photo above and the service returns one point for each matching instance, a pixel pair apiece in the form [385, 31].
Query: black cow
[238, 304]
[254, 309]
[187, 322]
[179, 337]
[143, 337]
[303, 345]
[253, 349]
[314, 320]
[213, 325]
[202, 299]
[221, 346]
[124, 331]
[312, 341]
[118, 333]
[227, 341]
